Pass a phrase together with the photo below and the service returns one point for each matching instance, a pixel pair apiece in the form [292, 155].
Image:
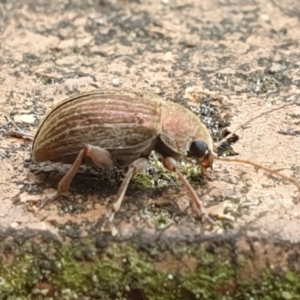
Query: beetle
[121, 128]
[111, 128]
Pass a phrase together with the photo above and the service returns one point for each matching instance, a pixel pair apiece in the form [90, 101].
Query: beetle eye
[198, 149]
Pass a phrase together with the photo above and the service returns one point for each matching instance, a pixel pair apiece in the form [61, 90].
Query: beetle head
[201, 152]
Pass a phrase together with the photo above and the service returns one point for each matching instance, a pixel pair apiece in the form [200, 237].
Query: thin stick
[18, 133]
[291, 180]
[12, 122]
[217, 145]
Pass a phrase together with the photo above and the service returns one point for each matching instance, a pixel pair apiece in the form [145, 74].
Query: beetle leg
[171, 165]
[65, 182]
[204, 173]
[137, 166]
[100, 157]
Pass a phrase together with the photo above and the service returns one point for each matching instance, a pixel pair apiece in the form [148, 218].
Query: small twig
[251, 119]
[18, 132]
[12, 122]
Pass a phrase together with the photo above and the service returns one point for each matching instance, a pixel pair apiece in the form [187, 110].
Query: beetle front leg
[171, 165]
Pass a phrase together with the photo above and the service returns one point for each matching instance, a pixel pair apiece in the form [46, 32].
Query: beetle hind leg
[100, 157]
[137, 166]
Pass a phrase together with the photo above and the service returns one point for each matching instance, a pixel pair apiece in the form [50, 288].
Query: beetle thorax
[179, 128]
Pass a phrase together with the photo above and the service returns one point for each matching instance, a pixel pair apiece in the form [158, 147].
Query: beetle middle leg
[137, 166]
[171, 165]
[102, 158]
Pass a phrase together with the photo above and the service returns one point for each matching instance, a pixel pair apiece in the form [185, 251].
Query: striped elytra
[127, 124]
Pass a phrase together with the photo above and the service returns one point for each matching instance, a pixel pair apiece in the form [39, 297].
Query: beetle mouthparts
[208, 160]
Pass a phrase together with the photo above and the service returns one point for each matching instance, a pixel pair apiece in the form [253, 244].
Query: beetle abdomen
[120, 122]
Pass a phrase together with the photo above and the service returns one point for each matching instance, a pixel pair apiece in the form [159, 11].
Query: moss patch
[133, 271]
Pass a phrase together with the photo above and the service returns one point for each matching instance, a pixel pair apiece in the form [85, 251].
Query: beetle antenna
[217, 145]
[284, 177]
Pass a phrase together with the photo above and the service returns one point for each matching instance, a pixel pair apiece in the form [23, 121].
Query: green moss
[126, 271]
[143, 179]
[272, 286]
[193, 173]
[162, 220]
[157, 176]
